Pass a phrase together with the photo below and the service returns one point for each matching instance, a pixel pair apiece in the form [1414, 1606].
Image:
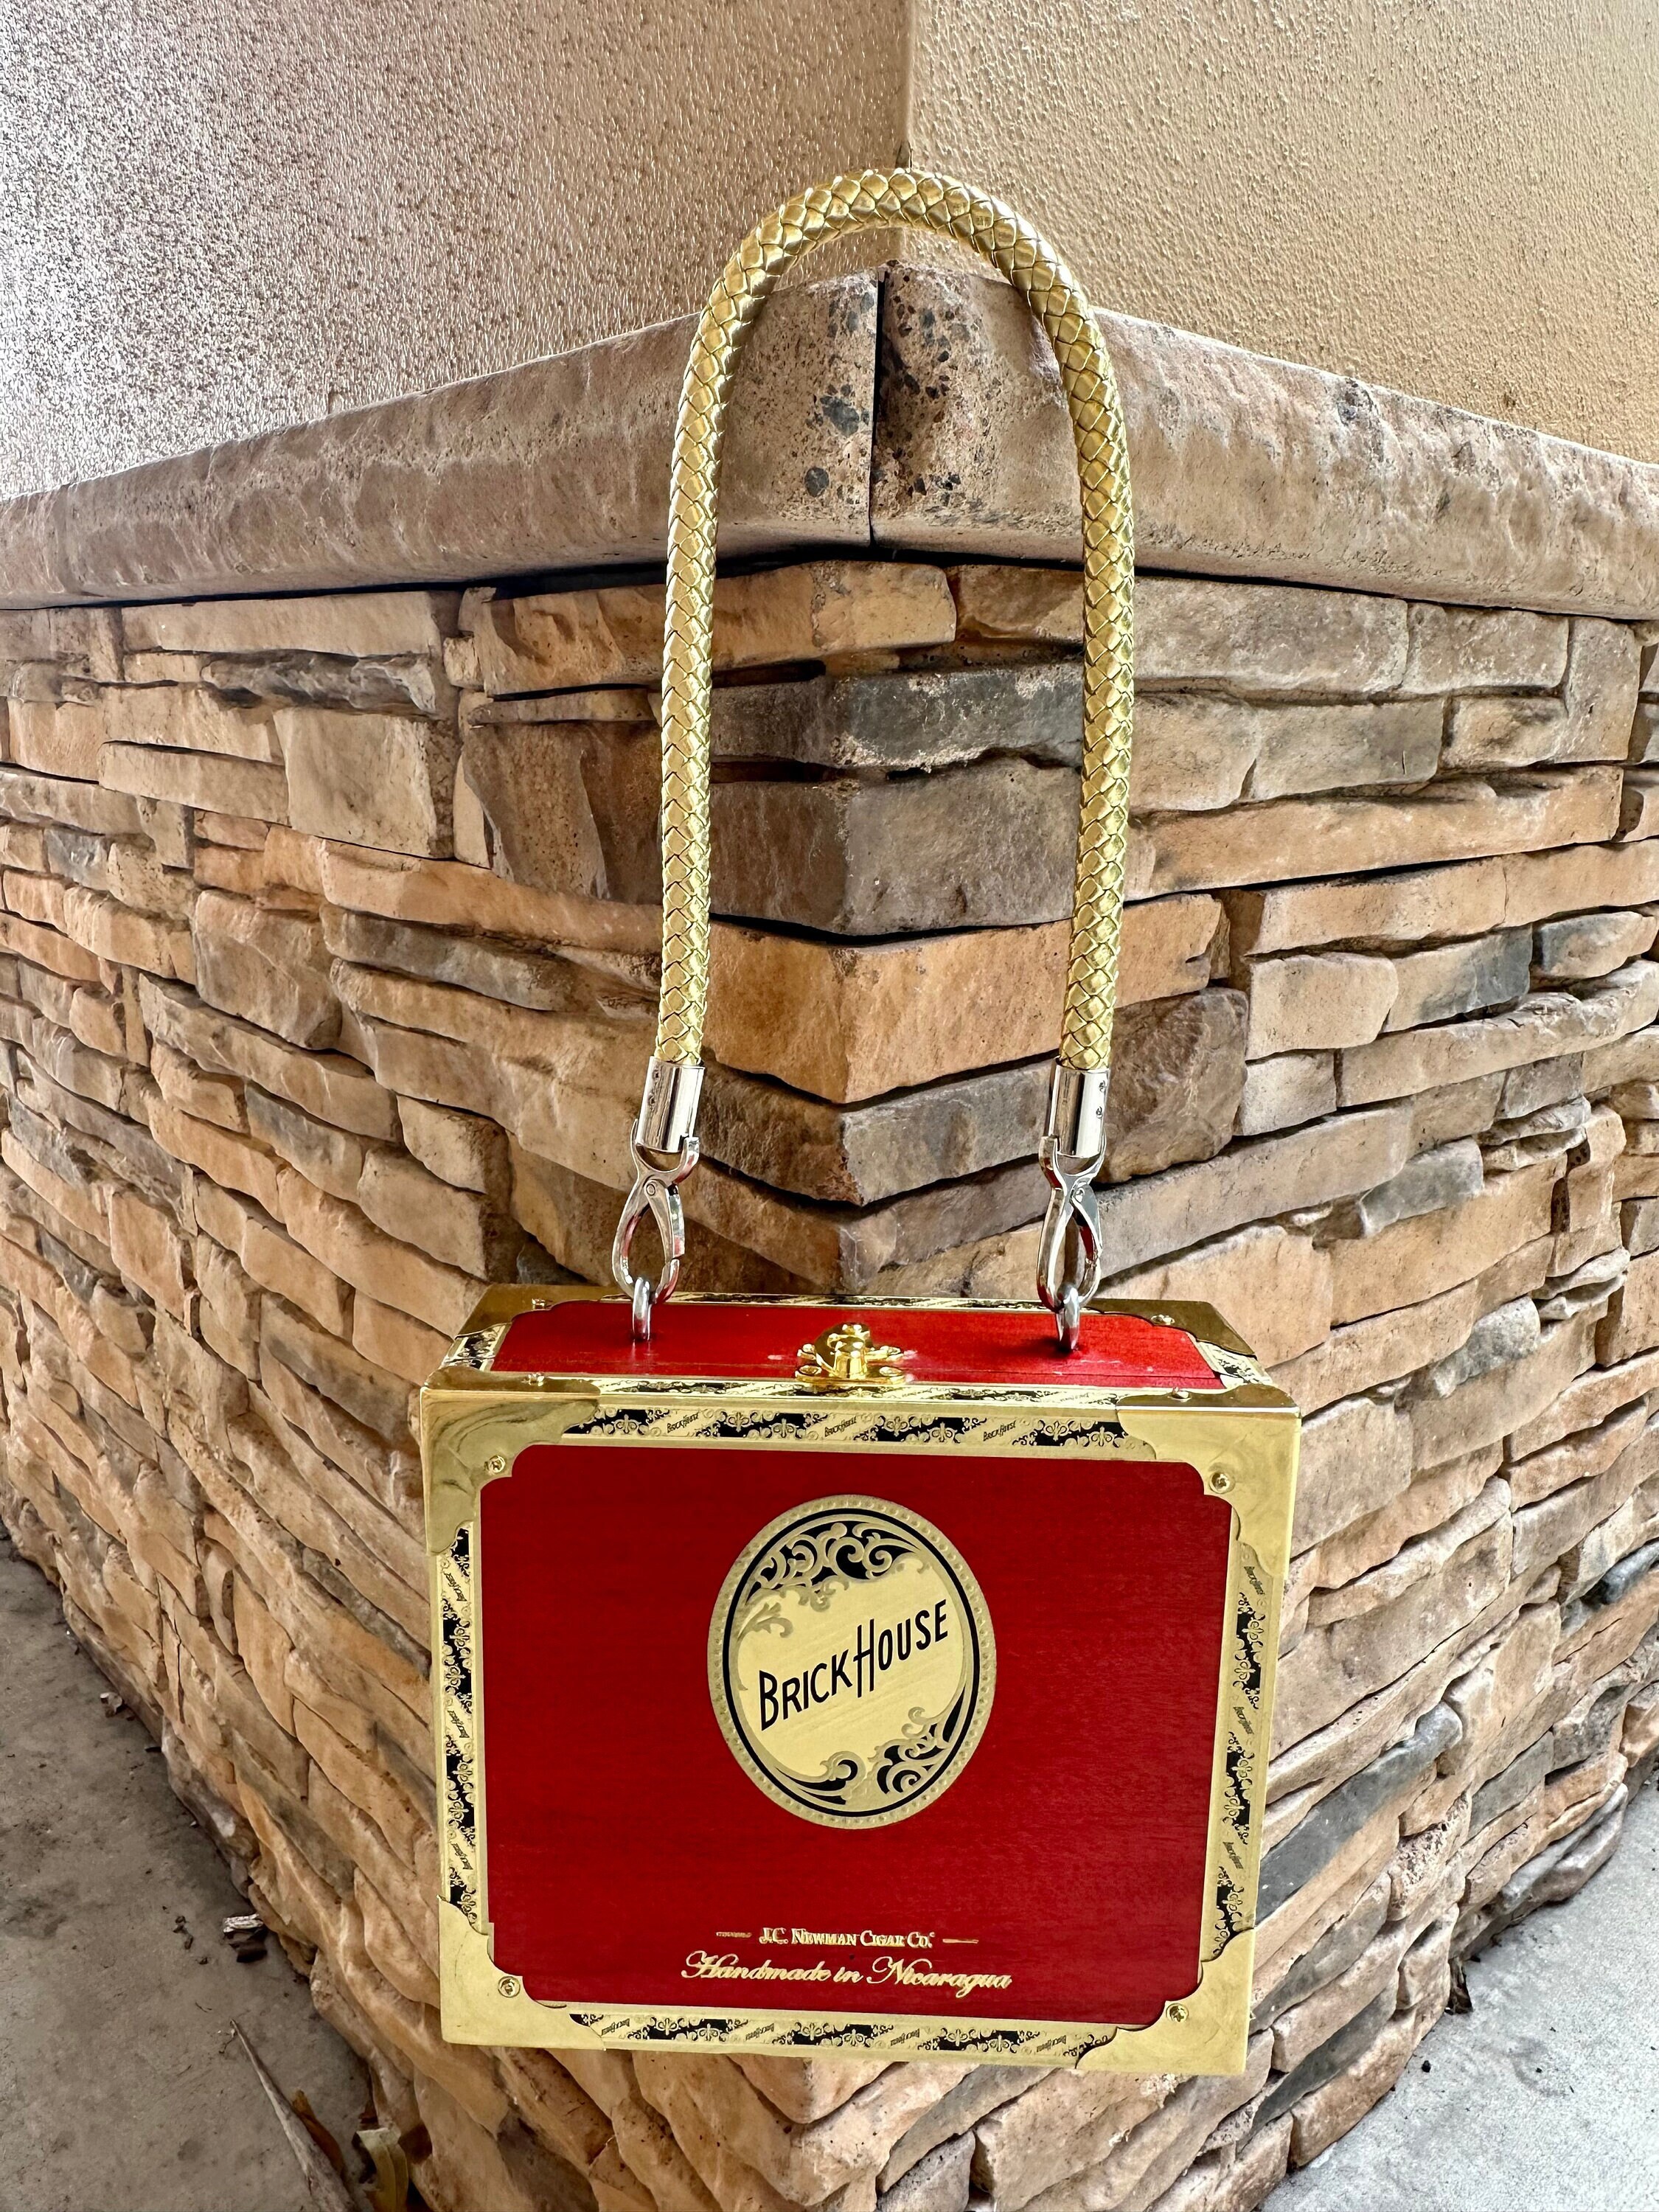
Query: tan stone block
[1539, 884]
[652, 2159]
[1338, 1159]
[1414, 1562]
[1641, 1730]
[1385, 1346]
[1400, 909]
[57, 737]
[389, 1947]
[233, 1161]
[267, 965]
[1506, 733]
[96, 1020]
[354, 624]
[1064, 2123]
[734, 2185]
[1479, 1411]
[1482, 649]
[215, 1098]
[115, 934]
[1602, 679]
[392, 1340]
[1418, 1258]
[1631, 1324]
[400, 1195]
[1448, 980]
[1427, 1502]
[1298, 2032]
[803, 2163]
[48, 949]
[1288, 837]
[1592, 1451]
[617, 2187]
[204, 779]
[464, 1150]
[563, 641]
[1492, 1698]
[1320, 2118]
[1286, 1935]
[394, 1274]
[445, 895]
[228, 868]
[1426, 1870]
[1311, 1002]
[265, 1651]
[1544, 1025]
[149, 1251]
[1355, 1456]
[848, 1022]
[324, 1084]
[1283, 1092]
[369, 779]
[807, 2089]
[1334, 1667]
[1543, 1532]
[1268, 1281]
[367, 1786]
[273, 1260]
[186, 718]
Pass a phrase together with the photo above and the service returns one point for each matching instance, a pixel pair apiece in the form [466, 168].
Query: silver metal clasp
[663, 1143]
[1072, 1154]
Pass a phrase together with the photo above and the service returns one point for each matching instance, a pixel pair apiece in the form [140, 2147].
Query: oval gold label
[851, 1661]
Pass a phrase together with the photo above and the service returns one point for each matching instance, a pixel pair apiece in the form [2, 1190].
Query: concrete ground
[1547, 2093]
[121, 2088]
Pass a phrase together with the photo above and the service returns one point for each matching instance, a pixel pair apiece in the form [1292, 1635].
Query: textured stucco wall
[1458, 200]
[215, 219]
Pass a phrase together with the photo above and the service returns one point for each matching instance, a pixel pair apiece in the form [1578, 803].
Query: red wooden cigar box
[827, 1675]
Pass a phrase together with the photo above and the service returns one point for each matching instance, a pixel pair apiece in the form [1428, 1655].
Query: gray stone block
[1328, 2062]
[1177, 1069]
[976, 2094]
[1620, 1580]
[1293, 1863]
[1333, 1955]
[938, 2183]
[980, 846]
[573, 808]
[1517, 1780]
[907, 719]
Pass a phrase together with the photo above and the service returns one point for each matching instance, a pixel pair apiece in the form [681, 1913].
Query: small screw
[1177, 2014]
[496, 1466]
[510, 1986]
[1220, 1481]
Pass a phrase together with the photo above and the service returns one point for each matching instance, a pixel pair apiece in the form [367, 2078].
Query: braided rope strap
[665, 1143]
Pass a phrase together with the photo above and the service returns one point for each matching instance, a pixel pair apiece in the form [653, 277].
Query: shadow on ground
[121, 2086]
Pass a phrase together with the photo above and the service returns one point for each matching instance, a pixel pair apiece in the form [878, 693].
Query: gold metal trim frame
[1241, 1439]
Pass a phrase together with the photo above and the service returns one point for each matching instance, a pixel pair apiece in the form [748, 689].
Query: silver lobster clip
[1072, 1153]
[663, 1143]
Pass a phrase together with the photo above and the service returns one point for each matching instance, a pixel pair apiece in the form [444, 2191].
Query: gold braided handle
[878, 200]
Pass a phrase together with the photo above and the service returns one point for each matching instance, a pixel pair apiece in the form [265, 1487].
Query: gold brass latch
[846, 1357]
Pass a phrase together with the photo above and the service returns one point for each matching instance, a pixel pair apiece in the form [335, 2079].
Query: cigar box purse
[882, 1677]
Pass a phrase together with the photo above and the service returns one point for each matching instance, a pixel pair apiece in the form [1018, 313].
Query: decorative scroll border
[1242, 1440]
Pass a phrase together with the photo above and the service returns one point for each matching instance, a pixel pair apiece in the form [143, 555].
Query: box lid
[735, 1339]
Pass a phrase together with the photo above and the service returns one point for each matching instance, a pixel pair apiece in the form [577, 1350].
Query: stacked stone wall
[327, 959]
